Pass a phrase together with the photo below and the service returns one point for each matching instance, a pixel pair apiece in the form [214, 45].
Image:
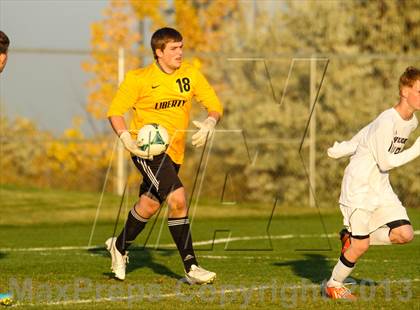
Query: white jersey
[375, 150]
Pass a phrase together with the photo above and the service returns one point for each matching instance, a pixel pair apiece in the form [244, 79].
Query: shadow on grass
[2, 255]
[142, 258]
[313, 267]
[316, 268]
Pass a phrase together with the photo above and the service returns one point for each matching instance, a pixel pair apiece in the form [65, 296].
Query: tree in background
[202, 23]
[19, 155]
[115, 31]
[40, 159]
[356, 88]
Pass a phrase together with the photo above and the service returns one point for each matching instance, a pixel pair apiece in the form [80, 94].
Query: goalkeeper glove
[132, 147]
[206, 130]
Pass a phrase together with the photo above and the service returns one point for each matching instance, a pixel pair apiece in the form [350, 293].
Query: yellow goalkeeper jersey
[165, 99]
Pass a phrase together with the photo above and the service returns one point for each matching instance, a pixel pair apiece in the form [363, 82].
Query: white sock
[380, 237]
[339, 274]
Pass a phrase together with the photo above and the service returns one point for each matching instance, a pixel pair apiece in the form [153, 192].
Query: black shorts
[160, 176]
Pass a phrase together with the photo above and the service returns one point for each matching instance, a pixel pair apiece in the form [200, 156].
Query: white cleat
[199, 275]
[119, 261]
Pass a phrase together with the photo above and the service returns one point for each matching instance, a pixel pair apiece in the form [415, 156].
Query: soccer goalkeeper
[373, 214]
[162, 93]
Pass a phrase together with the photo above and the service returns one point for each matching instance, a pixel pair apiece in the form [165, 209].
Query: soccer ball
[6, 299]
[153, 138]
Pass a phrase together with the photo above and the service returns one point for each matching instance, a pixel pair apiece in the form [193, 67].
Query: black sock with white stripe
[180, 231]
[133, 227]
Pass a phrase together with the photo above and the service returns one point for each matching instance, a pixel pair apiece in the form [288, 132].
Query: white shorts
[361, 222]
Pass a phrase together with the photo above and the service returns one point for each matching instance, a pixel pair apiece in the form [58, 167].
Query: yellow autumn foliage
[152, 9]
[115, 31]
[35, 158]
[202, 22]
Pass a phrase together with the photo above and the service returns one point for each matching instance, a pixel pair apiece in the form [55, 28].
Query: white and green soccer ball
[153, 138]
[6, 299]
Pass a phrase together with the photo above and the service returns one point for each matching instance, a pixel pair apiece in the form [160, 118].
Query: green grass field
[46, 262]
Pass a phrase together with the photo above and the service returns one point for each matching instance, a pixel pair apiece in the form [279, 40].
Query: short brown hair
[163, 36]
[409, 77]
[4, 42]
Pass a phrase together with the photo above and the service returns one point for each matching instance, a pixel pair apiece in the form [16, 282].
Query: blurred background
[294, 76]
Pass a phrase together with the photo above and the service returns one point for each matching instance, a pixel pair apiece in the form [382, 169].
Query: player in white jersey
[373, 214]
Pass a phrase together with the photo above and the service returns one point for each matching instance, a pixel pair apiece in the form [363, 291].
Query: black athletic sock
[133, 227]
[346, 262]
[180, 231]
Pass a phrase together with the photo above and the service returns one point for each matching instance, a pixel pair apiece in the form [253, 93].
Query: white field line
[169, 295]
[146, 297]
[281, 258]
[172, 245]
[236, 257]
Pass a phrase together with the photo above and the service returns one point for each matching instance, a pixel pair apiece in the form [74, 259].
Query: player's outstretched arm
[381, 144]
[387, 161]
[342, 149]
[347, 148]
